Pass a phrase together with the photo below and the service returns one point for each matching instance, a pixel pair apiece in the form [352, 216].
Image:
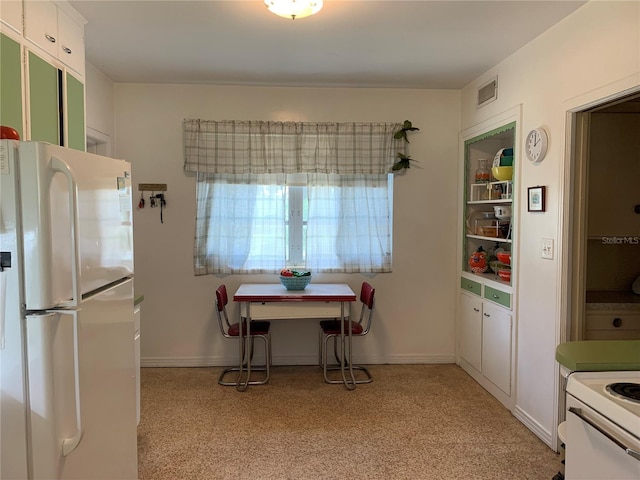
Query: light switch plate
[547, 248]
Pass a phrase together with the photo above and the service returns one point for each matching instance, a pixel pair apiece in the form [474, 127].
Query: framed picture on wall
[536, 199]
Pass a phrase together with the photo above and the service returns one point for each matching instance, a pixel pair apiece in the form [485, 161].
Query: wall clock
[536, 145]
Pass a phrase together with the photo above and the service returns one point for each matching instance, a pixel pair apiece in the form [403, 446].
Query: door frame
[575, 194]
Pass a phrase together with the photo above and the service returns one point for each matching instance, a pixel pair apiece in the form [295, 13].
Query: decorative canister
[483, 174]
[479, 261]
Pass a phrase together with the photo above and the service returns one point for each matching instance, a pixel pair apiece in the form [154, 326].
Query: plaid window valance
[240, 147]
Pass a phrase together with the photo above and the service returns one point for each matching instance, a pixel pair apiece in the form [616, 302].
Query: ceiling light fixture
[293, 8]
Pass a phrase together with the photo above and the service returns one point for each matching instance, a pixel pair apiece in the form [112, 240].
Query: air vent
[488, 92]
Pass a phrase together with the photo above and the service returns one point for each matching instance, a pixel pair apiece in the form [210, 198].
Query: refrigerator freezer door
[76, 210]
[82, 387]
[13, 397]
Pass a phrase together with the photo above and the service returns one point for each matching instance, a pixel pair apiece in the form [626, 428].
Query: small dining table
[272, 301]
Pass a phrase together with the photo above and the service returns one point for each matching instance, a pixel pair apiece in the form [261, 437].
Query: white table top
[275, 292]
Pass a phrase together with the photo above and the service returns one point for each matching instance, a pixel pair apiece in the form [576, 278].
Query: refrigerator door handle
[59, 165]
[69, 444]
[3, 306]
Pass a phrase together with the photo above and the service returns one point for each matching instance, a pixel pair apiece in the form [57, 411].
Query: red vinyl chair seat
[257, 328]
[332, 327]
[330, 330]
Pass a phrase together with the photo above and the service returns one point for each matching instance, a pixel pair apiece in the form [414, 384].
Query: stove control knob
[617, 322]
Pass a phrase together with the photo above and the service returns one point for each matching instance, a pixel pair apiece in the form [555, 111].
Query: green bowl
[506, 161]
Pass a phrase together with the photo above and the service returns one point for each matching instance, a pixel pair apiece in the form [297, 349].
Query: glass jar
[483, 174]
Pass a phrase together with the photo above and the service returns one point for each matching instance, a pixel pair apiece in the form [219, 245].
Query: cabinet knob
[496, 296]
[67, 50]
[475, 309]
[50, 38]
[616, 322]
[486, 315]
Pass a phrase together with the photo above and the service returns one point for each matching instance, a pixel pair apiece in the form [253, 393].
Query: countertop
[599, 355]
[605, 300]
[138, 298]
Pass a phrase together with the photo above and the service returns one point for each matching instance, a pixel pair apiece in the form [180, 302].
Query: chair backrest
[367, 293]
[221, 309]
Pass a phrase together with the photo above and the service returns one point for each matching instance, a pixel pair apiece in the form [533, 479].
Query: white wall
[100, 102]
[592, 54]
[415, 316]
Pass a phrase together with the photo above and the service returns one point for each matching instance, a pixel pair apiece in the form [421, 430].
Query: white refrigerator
[67, 378]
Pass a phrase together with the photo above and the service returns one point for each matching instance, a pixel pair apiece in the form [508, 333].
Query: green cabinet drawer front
[75, 113]
[497, 296]
[10, 84]
[471, 286]
[44, 106]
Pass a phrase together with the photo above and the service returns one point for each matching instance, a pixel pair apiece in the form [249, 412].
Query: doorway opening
[98, 142]
[604, 221]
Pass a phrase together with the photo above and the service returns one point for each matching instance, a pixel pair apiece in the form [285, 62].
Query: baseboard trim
[532, 425]
[293, 360]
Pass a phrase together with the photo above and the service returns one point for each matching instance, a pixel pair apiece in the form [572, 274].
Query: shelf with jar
[493, 224]
[499, 191]
[490, 234]
[491, 264]
[488, 201]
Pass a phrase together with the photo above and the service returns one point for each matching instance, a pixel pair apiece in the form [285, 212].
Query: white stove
[591, 389]
[603, 426]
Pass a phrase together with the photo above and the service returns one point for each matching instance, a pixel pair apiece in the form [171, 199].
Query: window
[310, 195]
[296, 220]
[324, 223]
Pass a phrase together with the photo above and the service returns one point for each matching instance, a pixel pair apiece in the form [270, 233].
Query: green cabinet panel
[497, 296]
[10, 84]
[470, 286]
[44, 103]
[75, 113]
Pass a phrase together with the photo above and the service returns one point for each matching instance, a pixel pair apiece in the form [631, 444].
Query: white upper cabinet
[41, 25]
[11, 14]
[71, 48]
[50, 26]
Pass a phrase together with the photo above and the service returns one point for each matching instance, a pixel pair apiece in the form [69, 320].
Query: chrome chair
[330, 329]
[259, 329]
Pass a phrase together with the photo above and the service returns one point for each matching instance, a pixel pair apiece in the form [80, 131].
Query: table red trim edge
[294, 298]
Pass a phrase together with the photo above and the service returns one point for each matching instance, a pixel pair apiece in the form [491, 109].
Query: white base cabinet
[470, 336]
[496, 346]
[612, 325]
[485, 337]
[136, 342]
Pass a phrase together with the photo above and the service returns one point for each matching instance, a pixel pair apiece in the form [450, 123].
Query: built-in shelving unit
[486, 308]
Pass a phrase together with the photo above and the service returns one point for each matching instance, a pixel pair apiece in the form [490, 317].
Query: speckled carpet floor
[412, 422]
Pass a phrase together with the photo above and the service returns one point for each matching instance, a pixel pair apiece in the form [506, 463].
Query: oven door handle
[629, 451]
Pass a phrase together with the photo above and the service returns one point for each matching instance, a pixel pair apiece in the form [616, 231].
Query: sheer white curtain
[240, 223]
[349, 224]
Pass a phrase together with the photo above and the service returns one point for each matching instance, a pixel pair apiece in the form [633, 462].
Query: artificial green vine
[404, 161]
